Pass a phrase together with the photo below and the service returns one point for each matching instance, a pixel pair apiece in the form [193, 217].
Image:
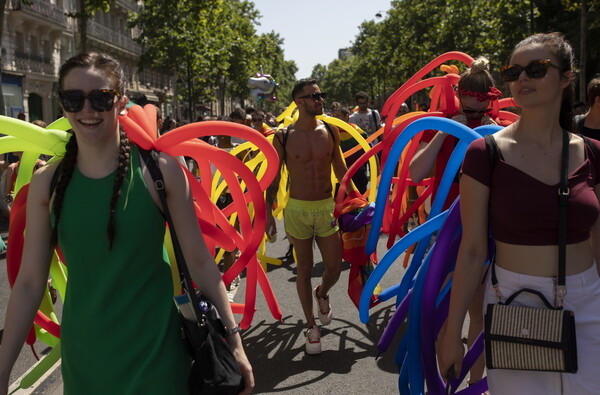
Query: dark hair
[300, 84]
[562, 50]
[335, 106]
[238, 113]
[114, 70]
[94, 60]
[159, 115]
[345, 111]
[260, 113]
[593, 90]
[40, 123]
[361, 95]
[477, 78]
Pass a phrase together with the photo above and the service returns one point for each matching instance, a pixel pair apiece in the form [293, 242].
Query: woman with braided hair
[120, 329]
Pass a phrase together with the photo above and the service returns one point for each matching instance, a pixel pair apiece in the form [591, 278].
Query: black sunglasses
[316, 96]
[535, 69]
[472, 111]
[100, 99]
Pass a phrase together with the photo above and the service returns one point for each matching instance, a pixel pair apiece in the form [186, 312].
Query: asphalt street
[276, 349]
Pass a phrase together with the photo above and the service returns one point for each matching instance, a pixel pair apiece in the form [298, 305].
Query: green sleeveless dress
[120, 329]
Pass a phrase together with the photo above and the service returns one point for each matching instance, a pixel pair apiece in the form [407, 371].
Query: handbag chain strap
[151, 158]
[560, 289]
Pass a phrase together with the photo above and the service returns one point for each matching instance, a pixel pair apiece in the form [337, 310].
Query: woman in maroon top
[518, 198]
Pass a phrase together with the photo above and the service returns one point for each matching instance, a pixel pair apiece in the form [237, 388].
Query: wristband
[232, 331]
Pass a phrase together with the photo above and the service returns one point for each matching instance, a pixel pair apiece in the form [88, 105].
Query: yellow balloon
[60, 124]
[29, 132]
[363, 144]
[287, 113]
[41, 367]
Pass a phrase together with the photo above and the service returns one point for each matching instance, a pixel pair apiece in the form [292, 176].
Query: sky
[313, 30]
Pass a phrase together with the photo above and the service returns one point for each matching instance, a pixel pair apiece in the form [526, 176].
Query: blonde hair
[477, 78]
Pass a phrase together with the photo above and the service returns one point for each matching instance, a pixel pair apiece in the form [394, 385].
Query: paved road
[276, 349]
[26, 358]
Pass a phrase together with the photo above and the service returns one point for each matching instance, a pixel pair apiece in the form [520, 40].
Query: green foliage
[388, 52]
[86, 9]
[214, 39]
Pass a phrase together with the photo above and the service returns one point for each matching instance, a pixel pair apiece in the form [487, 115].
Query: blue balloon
[409, 353]
[447, 125]
[384, 264]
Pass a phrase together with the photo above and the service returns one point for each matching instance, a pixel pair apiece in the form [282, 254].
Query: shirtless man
[310, 151]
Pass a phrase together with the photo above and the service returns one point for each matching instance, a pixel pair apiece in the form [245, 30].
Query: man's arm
[337, 161]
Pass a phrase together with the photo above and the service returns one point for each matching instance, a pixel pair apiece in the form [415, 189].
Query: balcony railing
[33, 63]
[130, 5]
[43, 9]
[105, 34]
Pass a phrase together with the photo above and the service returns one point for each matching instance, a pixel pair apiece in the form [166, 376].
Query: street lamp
[379, 14]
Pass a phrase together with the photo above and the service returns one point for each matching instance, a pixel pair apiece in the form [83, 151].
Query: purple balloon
[439, 266]
[390, 330]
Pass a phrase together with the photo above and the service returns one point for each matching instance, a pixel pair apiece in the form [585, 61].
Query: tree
[214, 39]
[388, 52]
[270, 58]
[87, 9]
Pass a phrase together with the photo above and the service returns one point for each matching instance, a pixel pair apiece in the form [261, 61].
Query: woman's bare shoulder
[41, 180]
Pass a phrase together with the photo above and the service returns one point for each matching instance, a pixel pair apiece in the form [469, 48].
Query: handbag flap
[529, 324]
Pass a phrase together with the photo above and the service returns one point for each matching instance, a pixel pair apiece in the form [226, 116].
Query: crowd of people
[101, 168]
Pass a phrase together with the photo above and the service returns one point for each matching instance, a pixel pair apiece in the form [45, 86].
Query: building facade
[39, 36]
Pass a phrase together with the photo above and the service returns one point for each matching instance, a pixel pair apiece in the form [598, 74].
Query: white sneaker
[323, 308]
[313, 340]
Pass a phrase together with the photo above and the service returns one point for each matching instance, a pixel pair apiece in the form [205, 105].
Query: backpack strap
[150, 158]
[328, 127]
[376, 119]
[283, 142]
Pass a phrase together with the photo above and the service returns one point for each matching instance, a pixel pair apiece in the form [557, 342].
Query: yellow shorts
[306, 219]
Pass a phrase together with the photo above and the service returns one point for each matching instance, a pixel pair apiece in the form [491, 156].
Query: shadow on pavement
[276, 351]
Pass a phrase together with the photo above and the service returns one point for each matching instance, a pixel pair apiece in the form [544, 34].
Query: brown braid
[124, 151]
[66, 172]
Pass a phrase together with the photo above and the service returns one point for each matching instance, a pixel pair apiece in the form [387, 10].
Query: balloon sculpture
[420, 295]
[264, 87]
[246, 184]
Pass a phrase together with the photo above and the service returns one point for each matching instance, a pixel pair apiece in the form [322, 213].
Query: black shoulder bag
[528, 338]
[214, 368]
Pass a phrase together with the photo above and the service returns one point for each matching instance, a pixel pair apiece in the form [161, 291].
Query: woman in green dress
[120, 330]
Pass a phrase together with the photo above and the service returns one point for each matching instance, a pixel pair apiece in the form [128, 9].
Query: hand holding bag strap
[563, 194]
[150, 158]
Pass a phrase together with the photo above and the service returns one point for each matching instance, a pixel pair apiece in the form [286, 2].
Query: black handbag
[528, 338]
[214, 369]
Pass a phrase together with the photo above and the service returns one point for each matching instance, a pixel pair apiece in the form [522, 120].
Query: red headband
[491, 94]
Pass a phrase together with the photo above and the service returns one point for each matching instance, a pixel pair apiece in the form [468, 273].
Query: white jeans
[583, 298]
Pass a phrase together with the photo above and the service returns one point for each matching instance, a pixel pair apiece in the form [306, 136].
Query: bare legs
[331, 251]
